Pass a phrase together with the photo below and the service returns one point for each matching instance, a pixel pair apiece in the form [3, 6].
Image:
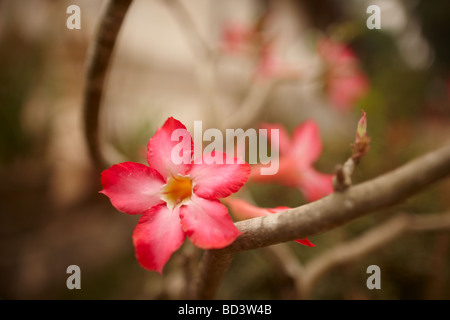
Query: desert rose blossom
[176, 198]
[345, 82]
[239, 39]
[296, 159]
[242, 210]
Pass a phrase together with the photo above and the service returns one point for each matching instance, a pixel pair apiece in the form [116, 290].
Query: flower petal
[160, 148]
[242, 210]
[305, 242]
[133, 188]
[307, 144]
[284, 141]
[207, 223]
[157, 236]
[315, 185]
[218, 180]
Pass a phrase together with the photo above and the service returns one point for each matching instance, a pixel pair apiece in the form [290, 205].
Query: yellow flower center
[176, 191]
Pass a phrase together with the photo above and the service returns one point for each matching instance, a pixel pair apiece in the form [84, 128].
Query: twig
[206, 57]
[370, 241]
[343, 177]
[252, 104]
[305, 277]
[188, 26]
[327, 213]
[99, 57]
[350, 251]
[287, 265]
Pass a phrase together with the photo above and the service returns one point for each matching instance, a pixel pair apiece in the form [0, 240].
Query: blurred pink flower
[236, 38]
[242, 210]
[345, 82]
[175, 200]
[296, 159]
[240, 39]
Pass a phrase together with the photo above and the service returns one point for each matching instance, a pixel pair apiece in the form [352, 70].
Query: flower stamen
[176, 191]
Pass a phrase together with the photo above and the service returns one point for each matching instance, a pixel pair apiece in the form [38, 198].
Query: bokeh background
[51, 215]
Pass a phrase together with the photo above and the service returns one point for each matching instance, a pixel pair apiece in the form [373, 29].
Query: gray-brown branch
[99, 58]
[324, 214]
[305, 277]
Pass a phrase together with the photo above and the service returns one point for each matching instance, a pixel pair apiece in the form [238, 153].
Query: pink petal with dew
[161, 146]
[315, 185]
[218, 180]
[133, 188]
[207, 223]
[157, 236]
[307, 144]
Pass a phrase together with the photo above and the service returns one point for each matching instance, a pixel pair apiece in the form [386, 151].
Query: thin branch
[329, 212]
[251, 105]
[184, 18]
[368, 242]
[305, 277]
[349, 251]
[99, 58]
[205, 56]
[286, 264]
[343, 177]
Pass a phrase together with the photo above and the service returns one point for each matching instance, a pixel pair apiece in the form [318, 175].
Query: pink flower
[296, 159]
[237, 38]
[345, 83]
[175, 200]
[250, 41]
[242, 210]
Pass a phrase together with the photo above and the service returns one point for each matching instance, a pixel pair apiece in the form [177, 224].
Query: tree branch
[329, 212]
[99, 58]
[251, 106]
[305, 277]
[349, 251]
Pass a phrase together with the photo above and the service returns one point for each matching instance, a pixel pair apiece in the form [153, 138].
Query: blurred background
[267, 67]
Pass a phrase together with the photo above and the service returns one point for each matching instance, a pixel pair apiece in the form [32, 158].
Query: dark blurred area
[51, 215]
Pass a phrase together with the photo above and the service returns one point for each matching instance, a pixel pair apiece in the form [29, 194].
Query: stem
[214, 265]
[99, 58]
